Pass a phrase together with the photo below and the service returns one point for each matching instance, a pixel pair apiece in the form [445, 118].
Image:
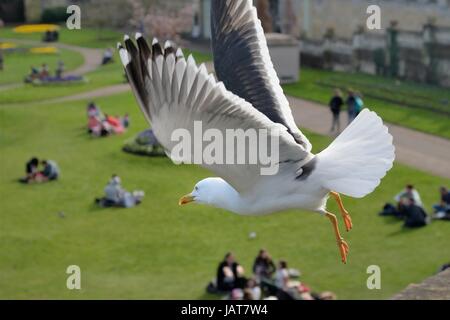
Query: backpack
[359, 104]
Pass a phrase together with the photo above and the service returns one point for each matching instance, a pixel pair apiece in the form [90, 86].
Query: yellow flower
[45, 50]
[31, 28]
[7, 45]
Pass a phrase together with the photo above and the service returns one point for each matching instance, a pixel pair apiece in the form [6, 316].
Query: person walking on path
[351, 106]
[335, 104]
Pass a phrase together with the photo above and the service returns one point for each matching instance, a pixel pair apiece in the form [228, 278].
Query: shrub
[56, 14]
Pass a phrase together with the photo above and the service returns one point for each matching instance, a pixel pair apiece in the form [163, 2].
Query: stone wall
[420, 56]
[436, 287]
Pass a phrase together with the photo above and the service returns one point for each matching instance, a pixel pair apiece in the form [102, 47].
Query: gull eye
[196, 188]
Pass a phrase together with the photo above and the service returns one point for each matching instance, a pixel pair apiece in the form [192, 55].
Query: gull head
[212, 191]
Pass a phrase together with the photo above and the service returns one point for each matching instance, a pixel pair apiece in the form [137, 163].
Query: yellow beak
[186, 199]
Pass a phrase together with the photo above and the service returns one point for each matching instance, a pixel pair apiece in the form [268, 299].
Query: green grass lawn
[17, 64]
[160, 250]
[317, 85]
[86, 37]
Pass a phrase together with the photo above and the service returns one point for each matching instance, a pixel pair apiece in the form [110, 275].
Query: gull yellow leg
[344, 213]
[342, 245]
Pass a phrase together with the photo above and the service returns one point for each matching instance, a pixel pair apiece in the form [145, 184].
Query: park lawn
[85, 37]
[200, 57]
[160, 250]
[18, 64]
[309, 87]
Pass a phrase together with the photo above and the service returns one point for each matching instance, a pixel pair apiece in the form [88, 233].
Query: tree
[263, 9]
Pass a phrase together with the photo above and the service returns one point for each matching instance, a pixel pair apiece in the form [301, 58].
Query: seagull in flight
[173, 92]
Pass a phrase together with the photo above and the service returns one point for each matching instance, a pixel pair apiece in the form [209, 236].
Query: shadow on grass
[93, 207]
[391, 219]
[404, 231]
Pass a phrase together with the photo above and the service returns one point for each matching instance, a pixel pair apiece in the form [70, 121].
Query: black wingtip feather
[157, 50]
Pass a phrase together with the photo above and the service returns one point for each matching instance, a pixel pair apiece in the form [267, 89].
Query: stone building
[316, 17]
[413, 42]
[346, 16]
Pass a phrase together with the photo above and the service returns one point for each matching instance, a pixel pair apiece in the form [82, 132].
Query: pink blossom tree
[166, 21]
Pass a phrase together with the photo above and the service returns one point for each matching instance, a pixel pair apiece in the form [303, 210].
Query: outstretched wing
[176, 96]
[242, 62]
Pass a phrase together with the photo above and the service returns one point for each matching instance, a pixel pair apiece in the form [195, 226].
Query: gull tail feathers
[358, 158]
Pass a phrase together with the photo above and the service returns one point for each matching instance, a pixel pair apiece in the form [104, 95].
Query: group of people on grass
[354, 105]
[269, 281]
[410, 208]
[99, 124]
[51, 36]
[39, 171]
[43, 73]
[102, 125]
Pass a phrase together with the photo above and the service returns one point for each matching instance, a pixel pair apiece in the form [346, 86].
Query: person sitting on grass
[230, 274]
[34, 74]
[126, 121]
[107, 56]
[44, 73]
[31, 170]
[282, 276]
[116, 196]
[254, 289]
[50, 171]
[442, 209]
[93, 110]
[396, 210]
[411, 193]
[413, 214]
[263, 267]
[59, 69]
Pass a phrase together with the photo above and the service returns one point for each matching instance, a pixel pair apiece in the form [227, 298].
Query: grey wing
[242, 62]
